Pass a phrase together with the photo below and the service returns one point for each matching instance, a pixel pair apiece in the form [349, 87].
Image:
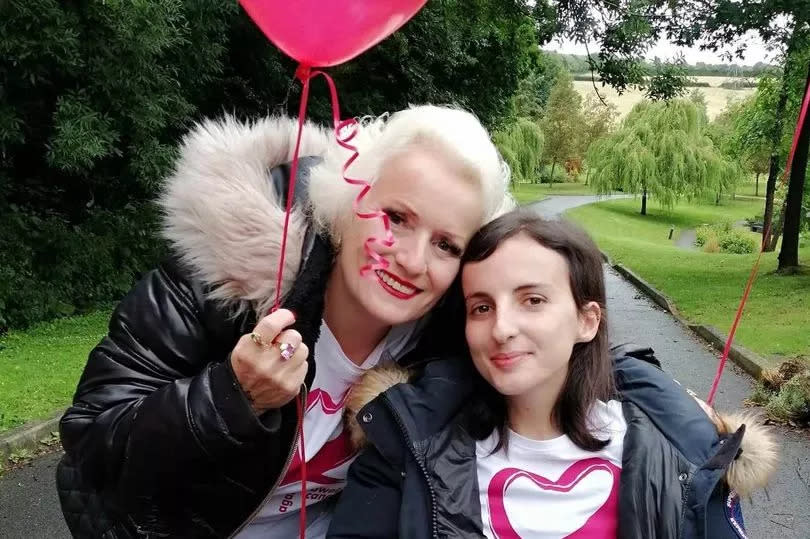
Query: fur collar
[750, 471]
[222, 216]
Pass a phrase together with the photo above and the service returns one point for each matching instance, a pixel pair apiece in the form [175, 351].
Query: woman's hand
[271, 363]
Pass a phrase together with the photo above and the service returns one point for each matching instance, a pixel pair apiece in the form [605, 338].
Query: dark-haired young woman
[554, 436]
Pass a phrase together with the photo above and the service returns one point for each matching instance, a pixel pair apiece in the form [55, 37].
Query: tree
[721, 133]
[789, 253]
[753, 122]
[661, 150]
[667, 80]
[521, 145]
[562, 123]
[533, 91]
[598, 120]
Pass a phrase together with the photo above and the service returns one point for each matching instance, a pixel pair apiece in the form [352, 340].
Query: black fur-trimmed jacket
[160, 440]
[682, 472]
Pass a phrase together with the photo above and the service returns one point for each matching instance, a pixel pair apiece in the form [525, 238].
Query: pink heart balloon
[323, 33]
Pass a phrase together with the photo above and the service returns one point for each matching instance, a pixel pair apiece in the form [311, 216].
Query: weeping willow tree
[661, 150]
[521, 145]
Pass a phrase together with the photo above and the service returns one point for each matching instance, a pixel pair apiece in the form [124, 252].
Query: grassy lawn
[706, 288]
[39, 368]
[749, 187]
[529, 192]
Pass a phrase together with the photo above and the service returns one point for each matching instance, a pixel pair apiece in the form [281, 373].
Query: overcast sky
[755, 52]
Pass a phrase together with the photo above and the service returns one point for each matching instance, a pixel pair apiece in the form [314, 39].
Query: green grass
[749, 187]
[706, 288]
[39, 368]
[530, 192]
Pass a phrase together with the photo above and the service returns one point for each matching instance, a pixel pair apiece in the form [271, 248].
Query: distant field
[716, 98]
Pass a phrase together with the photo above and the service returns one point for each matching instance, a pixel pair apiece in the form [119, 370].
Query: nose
[412, 253]
[505, 327]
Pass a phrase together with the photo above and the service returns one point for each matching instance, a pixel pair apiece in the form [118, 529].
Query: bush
[738, 84]
[703, 234]
[712, 245]
[559, 174]
[722, 237]
[792, 403]
[737, 242]
[51, 268]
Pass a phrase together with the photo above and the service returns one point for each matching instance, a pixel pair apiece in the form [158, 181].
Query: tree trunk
[776, 136]
[551, 179]
[789, 253]
[756, 188]
[644, 202]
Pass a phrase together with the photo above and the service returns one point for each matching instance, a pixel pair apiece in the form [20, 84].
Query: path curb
[747, 360]
[526, 204]
[28, 436]
[751, 362]
[660, 299]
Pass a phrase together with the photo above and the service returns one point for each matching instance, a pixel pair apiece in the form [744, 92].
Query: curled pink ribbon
[345, 131]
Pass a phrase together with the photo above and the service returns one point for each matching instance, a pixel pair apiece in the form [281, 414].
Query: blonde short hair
[457, 133]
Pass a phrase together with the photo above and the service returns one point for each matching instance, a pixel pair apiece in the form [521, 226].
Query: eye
[534, 301]
[394, 216]
[448, 247]
[480, 309]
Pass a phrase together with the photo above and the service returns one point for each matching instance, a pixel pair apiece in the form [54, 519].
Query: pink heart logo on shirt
[601, 523]
[328, 405]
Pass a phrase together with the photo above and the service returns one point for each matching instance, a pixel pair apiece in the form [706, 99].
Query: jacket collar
[735, 442]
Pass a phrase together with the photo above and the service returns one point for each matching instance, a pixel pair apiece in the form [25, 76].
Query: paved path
[29, 505]
[783, 510]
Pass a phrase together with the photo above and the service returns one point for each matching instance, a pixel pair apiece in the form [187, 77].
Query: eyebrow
[520, 288]
[407, 208]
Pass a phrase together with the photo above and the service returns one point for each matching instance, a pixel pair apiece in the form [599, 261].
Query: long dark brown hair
[590, 374]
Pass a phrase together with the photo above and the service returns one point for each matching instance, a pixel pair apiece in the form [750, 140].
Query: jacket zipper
[302, 395]
[420, 462]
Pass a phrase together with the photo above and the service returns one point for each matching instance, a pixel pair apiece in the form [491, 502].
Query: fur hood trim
[222, 216]
[758, 456]
[751, 470]
[373, 383]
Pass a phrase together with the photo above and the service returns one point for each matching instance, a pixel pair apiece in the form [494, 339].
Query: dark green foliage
[667, 81]
[534, 90]
[94, 97]
[49, 267]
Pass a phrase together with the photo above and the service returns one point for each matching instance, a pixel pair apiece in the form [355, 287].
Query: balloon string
[302, 111]
[345, 131]
[302, 522]
[800, 125]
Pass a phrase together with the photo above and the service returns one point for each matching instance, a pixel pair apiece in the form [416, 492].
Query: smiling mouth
[396, 287]
[507, 360]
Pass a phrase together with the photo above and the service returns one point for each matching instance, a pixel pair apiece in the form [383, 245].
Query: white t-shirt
[551, 488]
[328, 451]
